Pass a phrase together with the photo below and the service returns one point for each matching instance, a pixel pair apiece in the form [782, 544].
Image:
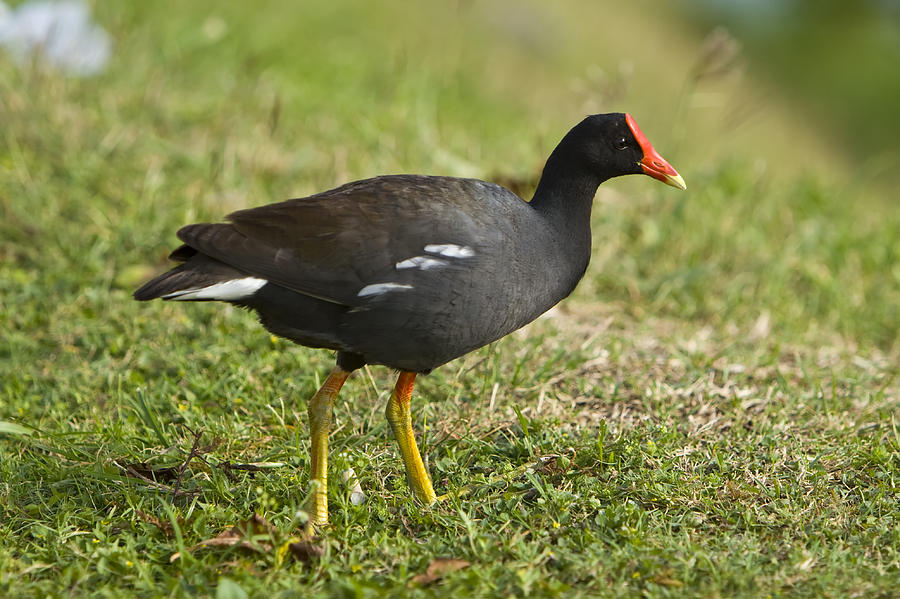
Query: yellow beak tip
[676, 181]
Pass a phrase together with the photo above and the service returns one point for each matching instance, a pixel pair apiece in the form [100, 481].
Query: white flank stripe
[234, 289]
[379, 288]
[420, 262]
[450, 250]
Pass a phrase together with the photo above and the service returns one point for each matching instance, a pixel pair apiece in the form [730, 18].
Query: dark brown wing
[334, 244]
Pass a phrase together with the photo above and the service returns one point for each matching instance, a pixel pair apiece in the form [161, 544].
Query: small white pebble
[357, 497]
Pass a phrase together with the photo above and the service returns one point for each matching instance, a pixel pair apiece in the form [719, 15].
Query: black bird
[408, 271]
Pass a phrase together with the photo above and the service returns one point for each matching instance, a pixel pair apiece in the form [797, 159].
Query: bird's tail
[198, 278]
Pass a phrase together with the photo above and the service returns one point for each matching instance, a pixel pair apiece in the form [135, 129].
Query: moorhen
[408, 271]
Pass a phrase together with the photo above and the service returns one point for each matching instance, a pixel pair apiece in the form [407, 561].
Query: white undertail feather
[235, 289]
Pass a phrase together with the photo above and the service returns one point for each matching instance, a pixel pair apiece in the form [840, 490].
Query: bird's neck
[564, 197]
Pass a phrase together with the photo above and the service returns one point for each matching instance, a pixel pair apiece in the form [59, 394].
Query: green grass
[713, 413]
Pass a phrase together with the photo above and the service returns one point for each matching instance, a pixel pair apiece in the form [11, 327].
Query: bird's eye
[621, 143]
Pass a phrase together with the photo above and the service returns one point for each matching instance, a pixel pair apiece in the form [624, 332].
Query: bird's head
[613, 145]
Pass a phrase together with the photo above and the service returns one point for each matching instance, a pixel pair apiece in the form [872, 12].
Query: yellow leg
[400, 419]
[319, 411]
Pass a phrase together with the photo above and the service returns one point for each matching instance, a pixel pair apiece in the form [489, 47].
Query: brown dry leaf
[237, 535]
[163, 525]
[256, 525]
[306, 551]
[439, 568]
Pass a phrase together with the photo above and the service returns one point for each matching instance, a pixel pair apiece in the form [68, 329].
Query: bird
[408, 271]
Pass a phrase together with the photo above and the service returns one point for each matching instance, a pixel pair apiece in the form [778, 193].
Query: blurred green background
[835, 60]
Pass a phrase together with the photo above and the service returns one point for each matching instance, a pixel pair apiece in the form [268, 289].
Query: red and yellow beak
[653, 164]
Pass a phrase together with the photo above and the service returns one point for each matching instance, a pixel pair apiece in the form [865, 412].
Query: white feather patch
[450, 250]
[380, 288]
[420, 262]
[234, 289]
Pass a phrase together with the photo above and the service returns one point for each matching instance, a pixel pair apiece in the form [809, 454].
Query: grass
[713, 413]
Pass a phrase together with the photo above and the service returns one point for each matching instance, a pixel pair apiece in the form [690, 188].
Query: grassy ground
[713, 413]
